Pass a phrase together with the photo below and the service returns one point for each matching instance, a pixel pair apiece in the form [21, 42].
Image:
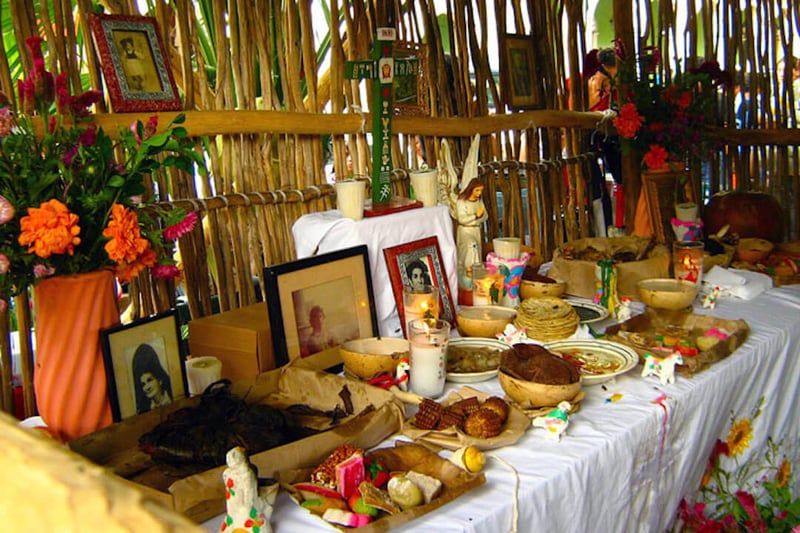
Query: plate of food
[589, 312]
[597, 360]
[473, 359]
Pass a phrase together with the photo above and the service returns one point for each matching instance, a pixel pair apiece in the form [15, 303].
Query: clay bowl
[667, 293]
[484, 320]
[370, 357]
[532, 394]
[537, 289]
[753, 250]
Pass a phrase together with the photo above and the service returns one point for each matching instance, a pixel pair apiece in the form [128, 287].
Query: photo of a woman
[418, 274]
[151, 381]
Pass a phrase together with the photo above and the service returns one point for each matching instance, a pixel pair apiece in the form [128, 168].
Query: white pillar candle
[420, 303]
[428, 339]
[202, 372]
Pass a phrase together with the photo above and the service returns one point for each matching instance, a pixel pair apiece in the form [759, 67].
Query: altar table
[328, 231]
[625, 465]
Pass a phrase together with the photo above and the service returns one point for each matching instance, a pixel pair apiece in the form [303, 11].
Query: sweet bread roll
[483, 424]
[498, 405]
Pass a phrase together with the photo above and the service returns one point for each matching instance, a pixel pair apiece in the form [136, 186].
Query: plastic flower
[739, 436]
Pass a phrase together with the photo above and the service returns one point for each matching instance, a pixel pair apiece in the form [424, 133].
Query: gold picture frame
[411, 92]
[661, 193]
[518, 72]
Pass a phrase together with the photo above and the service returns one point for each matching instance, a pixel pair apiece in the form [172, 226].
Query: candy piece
[312, 490]
[321, 504]
[349, 474]
[376, 472]
[430, 486]
[375, 497]
[469, 458]
[357, 505]
[325, 474]
[404, 492]
[346, 518]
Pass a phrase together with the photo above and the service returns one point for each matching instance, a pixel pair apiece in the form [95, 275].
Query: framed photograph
[518, 75]
[410, 84]
[319, 302]
[419, 263]
[135, 64]
[144, 364]
[661, 193]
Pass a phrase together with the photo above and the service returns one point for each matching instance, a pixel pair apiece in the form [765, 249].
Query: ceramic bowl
[537, 289]
[370, 357]
[484, 320]
[753, 250]
[532, 394]
[667, 293]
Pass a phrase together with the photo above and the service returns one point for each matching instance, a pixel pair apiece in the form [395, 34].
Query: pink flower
[5, 264]
[7, 211]
[6, 121]
[183, 227]
[151, 127]
[749, 504]
[42, 271]
[166, 271]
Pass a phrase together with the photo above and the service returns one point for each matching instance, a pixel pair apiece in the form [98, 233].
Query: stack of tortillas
[547, 318]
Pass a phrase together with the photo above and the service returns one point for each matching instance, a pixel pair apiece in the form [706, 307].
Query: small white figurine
[246, 510]
[663, 368]
[401, 373]
[710, 299]
[555, 422]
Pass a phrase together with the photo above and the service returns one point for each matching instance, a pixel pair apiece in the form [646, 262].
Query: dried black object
[204, 434]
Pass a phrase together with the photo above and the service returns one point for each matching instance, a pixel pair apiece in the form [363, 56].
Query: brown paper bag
[579, 274]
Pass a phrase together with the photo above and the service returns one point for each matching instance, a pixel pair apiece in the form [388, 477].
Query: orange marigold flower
[126, 243]
[739, 436]
[784, 474]
[126, 271]
[656, 157]
[49, 229]
[628, 122]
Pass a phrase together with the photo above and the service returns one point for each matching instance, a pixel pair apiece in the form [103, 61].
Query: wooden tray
[640, 330]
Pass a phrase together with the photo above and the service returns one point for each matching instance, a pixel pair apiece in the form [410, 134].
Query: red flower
[656, 157]
[181, 228]
[628, 122]
[166, 271]
[685, 100]
[748, 502]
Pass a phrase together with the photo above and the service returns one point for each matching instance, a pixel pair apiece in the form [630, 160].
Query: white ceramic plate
[474, 377]
[588, 311]
[599, 360]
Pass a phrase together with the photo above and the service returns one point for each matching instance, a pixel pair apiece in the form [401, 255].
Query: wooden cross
[382, 68]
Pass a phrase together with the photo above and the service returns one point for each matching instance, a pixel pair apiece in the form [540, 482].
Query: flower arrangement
[725, 505]
[665, 122]
[69, 193]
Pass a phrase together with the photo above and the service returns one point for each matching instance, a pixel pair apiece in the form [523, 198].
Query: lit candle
[483, 278]
[687, 260]
[428, 339]
[420, 303]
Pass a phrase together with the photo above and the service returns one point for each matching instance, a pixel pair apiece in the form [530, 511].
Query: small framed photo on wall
[135, 63]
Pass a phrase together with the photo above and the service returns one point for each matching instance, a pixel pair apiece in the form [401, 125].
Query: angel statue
[466, 206]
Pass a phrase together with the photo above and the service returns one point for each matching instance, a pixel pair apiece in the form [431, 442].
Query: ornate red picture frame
[135, 64]
[402, 258]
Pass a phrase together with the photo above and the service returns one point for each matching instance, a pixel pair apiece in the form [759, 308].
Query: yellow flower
[784, 474]
[739, 436]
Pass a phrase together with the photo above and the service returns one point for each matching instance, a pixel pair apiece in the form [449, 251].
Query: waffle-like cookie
[428, 415]
[483, 424]
[466, 406]
[449, 419]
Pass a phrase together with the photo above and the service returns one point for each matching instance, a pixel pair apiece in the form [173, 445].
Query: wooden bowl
[753, 250]
[667, 293]
[483, 320]
[370, 357]
[537, 289]
[532, 394]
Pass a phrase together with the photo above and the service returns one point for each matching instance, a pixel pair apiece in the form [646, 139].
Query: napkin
[736, 283]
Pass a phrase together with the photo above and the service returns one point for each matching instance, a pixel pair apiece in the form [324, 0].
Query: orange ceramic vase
[69, 378]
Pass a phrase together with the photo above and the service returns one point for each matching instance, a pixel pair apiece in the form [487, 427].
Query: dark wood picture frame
[661, 193]
[428, 251]
[135, 63]
[518, 75]
[411, 93]
[337, 284]
[150, 345]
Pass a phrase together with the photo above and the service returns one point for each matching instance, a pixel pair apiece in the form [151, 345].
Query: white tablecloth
[328, 231]
[625, 465]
